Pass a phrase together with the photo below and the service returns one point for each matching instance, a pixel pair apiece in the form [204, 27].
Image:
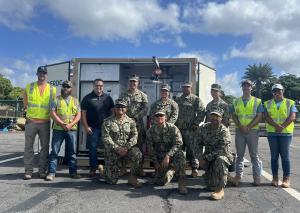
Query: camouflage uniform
[217, 153]
[117, 133]
[169, 106]
[191, 112]
[166, 141]
[137, 109]
[221, 105]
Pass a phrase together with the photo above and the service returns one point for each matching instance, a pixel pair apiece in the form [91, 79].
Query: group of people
[175, 128]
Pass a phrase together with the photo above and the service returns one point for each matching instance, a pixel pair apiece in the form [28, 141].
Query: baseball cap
[277, 86]
[134, 78]
[42, 69]
[216, 87]
[67, 84]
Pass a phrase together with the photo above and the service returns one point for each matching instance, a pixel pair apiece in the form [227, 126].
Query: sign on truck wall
[57, 73]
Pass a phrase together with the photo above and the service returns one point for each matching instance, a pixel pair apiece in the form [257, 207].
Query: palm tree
[259, 75]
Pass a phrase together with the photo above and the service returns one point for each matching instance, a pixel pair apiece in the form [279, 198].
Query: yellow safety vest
[279, 115]
[66, 112]
[39, 106]
[247, 113]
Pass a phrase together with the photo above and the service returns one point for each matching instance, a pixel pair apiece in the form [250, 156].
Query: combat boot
[101, 169]
[182, 186]
[218, 194]
[194, 173]
[133, 181]
[235, 181]
[286, 182]
[275, 181]
[169, 176]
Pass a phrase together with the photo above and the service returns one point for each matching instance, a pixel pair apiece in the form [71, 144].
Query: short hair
[97, 79]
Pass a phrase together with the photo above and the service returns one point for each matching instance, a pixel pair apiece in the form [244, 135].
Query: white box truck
[116, 71]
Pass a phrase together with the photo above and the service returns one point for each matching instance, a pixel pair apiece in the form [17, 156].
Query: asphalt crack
[167, 205]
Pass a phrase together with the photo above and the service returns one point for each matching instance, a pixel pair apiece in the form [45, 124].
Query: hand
[165, 162]
[88, 130]
[244, 129]
[156, 166]
[122, 151]
[202, 163]
[279, 128]
[69, 127]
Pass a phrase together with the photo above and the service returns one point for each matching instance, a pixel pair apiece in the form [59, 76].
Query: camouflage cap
[187, 84]
[216, 87]
[134, 78]
[41, 69]
[216, 112]
[120, 102]
[67, 84]
[160, 113]
[247, 81]
[165, 87]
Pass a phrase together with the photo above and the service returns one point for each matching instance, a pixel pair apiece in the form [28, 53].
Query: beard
[65, 93]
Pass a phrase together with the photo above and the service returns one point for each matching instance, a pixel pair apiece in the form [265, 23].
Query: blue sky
[228, 35]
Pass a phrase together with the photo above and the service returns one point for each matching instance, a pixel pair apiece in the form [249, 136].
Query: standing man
[165, 144]
[65, 113]
[280, 116]
[217, 104]
[37, 99]
[166, 105]
[120, 138]
[191, 114]
[95, 107]
[217, 157]
[137, 108]
[247, 113]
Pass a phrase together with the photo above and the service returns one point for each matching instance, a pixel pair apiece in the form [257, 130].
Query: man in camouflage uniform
[137, 108]
[217, 104]
[166, 105]
[191, 114]
[120, 138]
[217, 156]
[165, 145]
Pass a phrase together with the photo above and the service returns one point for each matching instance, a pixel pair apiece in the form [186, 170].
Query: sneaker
[27, 176]
[92, 173]
[75, 176]
[50, 177]
[42, 175]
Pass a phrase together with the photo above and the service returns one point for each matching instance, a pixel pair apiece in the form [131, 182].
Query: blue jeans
[58, 136]
[280, 145]
[93, 141]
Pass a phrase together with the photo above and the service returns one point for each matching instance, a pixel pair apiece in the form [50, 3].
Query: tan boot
[275, 181]
[194, 173]
[133, 181]
[235, 181]
[123, 171]
[182, 186]
[286, 182]
[256, 181]
[101, 169]
[218, 194]
[169, 176]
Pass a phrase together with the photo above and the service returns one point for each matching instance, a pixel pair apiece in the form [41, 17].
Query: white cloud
[115, 19]
[272, 27]
[230, 84]
[202, 56]
[15, 14]
[6, 71]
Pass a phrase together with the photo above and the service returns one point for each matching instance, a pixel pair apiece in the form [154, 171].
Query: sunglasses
[276, 90]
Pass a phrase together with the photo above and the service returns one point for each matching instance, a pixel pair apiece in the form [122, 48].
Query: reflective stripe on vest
[247, 113]
[39, 106]
[279, 115]
[66, 112]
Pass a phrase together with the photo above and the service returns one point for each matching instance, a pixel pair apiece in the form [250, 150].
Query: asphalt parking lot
[93, 195]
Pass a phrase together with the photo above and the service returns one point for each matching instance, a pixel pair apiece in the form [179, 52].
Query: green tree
[291, 84]
[5, 87]
[16, 93]
[259, 75]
